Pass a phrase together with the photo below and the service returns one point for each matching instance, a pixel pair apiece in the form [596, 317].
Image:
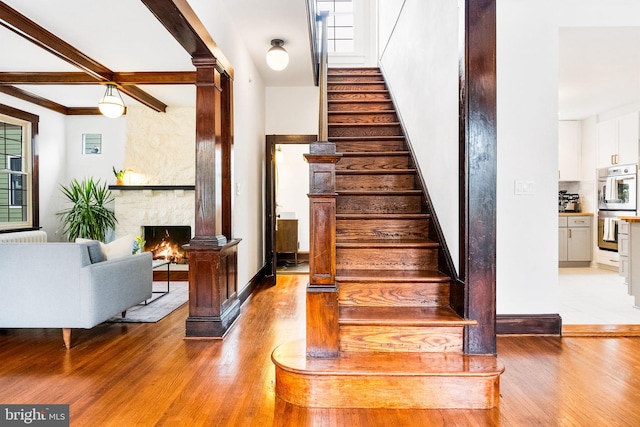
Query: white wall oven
[617, 196]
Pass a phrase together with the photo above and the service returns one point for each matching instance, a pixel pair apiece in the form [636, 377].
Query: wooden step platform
[386, 380]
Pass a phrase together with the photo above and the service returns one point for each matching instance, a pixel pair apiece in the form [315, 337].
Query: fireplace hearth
[165, 242]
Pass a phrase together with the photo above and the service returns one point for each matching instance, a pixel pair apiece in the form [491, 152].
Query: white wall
[98, 166]
[527, 237]
[52, 154]
[427, 97]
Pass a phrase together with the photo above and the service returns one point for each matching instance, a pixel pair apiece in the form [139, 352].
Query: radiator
[32, 236]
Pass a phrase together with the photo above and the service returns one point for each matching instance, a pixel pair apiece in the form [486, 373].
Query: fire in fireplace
[165, 242]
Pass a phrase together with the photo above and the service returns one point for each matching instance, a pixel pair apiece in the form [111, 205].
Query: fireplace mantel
[151, 187]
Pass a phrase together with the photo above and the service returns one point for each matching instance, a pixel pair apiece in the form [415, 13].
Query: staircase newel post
[322, 292]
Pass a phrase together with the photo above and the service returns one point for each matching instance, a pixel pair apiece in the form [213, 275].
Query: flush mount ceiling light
[111, 104]
[277, 57]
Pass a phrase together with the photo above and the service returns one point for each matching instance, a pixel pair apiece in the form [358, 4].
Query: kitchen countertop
[579, 214]
[630, 218]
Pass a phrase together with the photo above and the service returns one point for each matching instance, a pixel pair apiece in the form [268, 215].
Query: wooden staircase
[401, 345]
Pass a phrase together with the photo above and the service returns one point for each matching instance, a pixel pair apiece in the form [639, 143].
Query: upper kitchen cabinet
[618, 140]
[569, 150]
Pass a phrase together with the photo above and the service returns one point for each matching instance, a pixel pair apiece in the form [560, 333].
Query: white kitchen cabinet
[618, 140]
[623, 250]
[574, 241]
[569, 150]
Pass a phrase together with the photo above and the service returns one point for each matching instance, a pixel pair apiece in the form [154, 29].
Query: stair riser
[375, 182]
[359, 71]
[364, 130]
[361, 86]
[378, 204]
[387, 259]
[360, 106]
[365, 146]
[420, 391]
[359, 229]
[379, 294]
[364, 162]
[354, 78]
[351, 95]
[404, 339]
[364, 117]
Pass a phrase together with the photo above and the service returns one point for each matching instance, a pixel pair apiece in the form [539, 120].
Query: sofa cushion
[118, 248]
[96, 254]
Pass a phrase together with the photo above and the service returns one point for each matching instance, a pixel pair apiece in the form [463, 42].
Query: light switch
[524, 188]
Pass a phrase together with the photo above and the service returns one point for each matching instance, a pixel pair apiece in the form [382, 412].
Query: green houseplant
[88, 217]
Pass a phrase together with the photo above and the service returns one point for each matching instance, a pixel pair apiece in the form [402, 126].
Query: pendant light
[277, 57]
[111, 104]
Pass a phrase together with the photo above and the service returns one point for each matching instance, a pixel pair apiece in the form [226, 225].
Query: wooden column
[213, 287]
[322, 292]
[478, 165]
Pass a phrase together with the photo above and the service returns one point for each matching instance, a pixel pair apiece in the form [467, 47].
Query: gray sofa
[56, 285]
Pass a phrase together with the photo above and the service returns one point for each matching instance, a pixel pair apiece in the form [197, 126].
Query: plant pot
[119, 181]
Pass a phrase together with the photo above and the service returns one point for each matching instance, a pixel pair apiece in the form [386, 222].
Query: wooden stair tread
[400, 316]
[374, 153]
[357, 101]
[293, 356]
[391, 276]
[367, 138]
[358, 124]
[351, 91]
[388, 243]
[351, 112]
[378, 192]
[366, 216]
[374, 171]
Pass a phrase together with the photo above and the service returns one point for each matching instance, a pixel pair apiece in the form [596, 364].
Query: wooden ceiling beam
[181, 21]
[26, 28]
[125, 78]
[34, 99]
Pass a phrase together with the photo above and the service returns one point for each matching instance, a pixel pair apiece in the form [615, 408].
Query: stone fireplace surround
[140, 205]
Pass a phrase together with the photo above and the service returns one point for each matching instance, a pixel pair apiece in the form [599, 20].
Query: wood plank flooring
[149, 375]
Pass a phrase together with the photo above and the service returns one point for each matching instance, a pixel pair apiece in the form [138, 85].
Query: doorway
[287, 177]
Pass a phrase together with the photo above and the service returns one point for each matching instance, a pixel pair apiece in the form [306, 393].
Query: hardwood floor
[148, 375]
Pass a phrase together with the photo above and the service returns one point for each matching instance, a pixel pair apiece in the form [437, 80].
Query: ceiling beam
[76, 78]
[34, 99]
[26, 28]
[185, 26]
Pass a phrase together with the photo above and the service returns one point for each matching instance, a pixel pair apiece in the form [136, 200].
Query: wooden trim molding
[528, 324]
[601, 331]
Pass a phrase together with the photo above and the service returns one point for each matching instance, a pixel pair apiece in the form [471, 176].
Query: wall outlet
[524, 188]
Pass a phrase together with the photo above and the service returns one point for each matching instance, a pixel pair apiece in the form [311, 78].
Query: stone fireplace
[137, 206]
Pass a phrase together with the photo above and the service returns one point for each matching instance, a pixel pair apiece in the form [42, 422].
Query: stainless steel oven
[617, 188]
[617, 196]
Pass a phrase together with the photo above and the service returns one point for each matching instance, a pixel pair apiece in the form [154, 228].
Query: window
[17, 192]
[339, 24]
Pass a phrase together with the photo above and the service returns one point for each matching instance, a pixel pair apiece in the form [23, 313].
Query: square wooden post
[322, 292]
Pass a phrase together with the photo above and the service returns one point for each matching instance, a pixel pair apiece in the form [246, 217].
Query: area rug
[158, 306]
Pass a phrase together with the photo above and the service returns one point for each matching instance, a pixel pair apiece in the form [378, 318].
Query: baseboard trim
[256, 280]
[529, 324]
[601, 330]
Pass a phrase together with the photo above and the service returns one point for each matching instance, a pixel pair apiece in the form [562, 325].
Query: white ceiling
[123, 35]
[599, 68]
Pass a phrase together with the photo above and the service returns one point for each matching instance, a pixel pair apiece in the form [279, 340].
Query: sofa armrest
[113, 286]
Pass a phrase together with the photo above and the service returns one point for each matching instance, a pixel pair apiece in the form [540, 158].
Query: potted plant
[119, 175]
[88, 217]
